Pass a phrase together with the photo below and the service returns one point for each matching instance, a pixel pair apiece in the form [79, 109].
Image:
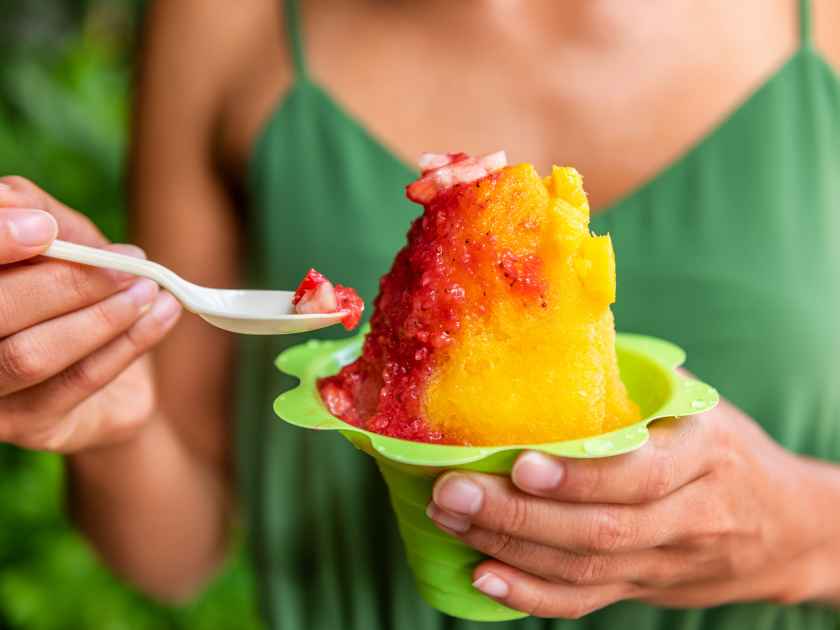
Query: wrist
[816, 488]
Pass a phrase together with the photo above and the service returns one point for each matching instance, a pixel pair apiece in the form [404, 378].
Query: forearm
[157, 514]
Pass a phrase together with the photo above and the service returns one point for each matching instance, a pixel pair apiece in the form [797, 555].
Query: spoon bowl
[238, 311]
[261, 312]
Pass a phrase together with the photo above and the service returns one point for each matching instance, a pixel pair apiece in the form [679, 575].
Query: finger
[72, 226]
[67, 389]
[675, 456]
[34, 293]
[493, 502]
[38, 353]
[662, 567]
[541, 598]
[24, 234]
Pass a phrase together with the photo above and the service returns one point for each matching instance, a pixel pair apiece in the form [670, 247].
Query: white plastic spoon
[245, 312]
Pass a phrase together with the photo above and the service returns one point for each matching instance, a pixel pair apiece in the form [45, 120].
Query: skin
[77, 375]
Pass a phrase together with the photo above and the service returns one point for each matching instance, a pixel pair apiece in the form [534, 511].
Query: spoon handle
[84, 255]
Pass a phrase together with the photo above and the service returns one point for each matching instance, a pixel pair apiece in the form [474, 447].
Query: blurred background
[65, 77]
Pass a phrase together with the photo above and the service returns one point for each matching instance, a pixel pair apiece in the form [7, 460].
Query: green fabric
[731, 252]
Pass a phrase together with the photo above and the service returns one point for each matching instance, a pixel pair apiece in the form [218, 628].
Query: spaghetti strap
[805, 23]
[291, 11]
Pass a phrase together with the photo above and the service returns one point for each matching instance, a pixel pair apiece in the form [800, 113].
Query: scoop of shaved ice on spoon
[315, 294]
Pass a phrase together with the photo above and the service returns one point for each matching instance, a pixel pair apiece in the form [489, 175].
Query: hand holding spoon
[245, 312]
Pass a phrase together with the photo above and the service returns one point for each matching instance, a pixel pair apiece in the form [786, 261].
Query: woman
[710, 140]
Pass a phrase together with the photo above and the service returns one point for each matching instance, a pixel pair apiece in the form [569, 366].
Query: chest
[733, 254]
[620, 112]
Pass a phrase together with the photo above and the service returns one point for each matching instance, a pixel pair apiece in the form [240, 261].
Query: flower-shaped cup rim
[648, 358]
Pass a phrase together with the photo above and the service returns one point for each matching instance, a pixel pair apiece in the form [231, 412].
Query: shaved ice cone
[491, 334]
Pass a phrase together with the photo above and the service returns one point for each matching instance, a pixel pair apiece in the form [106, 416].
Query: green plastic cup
[442, 565]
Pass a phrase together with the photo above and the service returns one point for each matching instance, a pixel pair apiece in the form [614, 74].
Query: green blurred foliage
[64, 87]
[64, 81]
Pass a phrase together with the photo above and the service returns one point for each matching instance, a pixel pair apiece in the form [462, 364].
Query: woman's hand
[710, 511]
[71, 337]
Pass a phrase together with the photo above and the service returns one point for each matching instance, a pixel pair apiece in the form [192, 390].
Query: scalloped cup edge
[302, 406]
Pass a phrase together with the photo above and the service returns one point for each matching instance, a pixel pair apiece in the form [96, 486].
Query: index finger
[676, 455]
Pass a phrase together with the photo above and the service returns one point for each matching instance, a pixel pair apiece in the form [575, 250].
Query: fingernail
[492, 585]
[458, 494]
[536, 471]
[454, 522]
[142, 293]
[4, 187]
[166, 308]
[32, 228]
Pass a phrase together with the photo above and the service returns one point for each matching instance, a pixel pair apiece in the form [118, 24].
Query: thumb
[25, 233]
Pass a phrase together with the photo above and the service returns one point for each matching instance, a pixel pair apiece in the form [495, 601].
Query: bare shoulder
[193, 46]
[219, 65]
[827, 30]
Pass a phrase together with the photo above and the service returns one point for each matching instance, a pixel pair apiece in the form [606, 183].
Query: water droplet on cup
[598, 446]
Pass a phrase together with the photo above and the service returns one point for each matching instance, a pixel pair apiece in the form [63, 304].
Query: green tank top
[733, 252]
